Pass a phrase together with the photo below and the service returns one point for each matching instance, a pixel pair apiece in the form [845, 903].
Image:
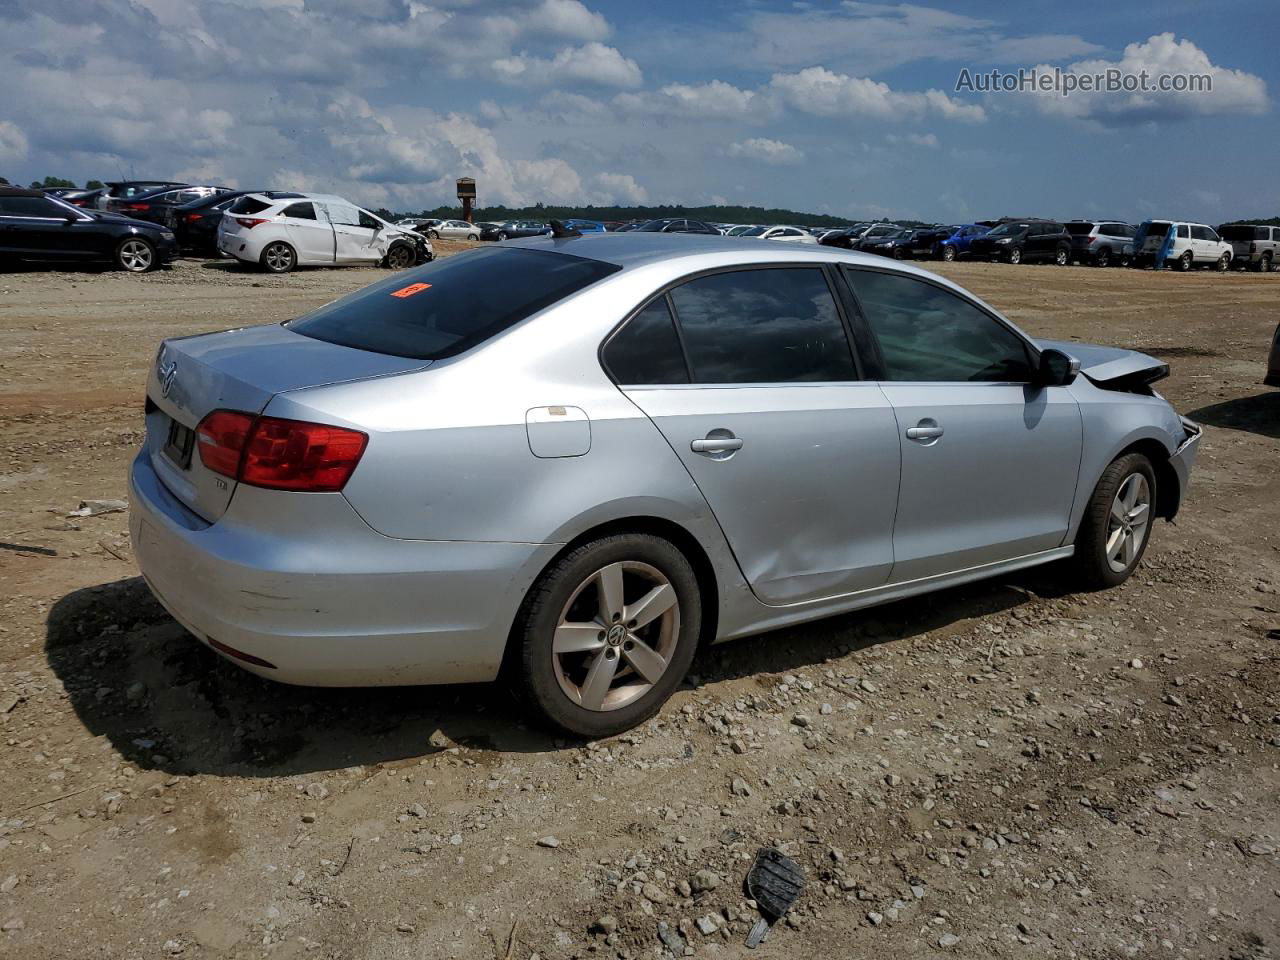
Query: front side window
[344, 214]
[647, 350]
[763, 326]
[928, 334]
[368, 220]
[452, 304]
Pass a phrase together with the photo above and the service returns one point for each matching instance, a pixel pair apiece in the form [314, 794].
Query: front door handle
[926, 431]
[716, 445]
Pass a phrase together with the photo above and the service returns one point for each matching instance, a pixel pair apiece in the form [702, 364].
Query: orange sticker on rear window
[410, 290]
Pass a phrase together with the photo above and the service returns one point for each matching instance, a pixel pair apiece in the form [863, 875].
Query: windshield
[753, 232]
[451, 304]
[653, 226]
[1008, 230]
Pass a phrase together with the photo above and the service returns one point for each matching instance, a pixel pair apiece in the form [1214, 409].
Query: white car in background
[786, 234]
[280, 231]
[1192, 244]
[453, 230]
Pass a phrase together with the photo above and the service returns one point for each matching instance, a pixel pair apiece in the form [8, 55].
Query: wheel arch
[675, 533]
[1168, 489]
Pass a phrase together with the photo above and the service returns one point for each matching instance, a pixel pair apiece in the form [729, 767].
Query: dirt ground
[1004, 770]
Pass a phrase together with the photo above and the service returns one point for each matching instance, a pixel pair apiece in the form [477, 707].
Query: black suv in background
[1252, 246]
[1102, 242]
[1019, 241]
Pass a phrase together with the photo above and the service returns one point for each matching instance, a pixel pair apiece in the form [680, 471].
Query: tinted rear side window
[451, 304]
[647, 350]
[763, 326]
[248, 205]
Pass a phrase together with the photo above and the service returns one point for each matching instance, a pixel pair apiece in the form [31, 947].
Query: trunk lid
[236, 370]
[1111, 367]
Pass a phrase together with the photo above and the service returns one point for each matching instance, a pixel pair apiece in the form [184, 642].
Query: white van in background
[279, 231]
[1192, 244]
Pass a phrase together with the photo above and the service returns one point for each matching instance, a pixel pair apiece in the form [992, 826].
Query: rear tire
[579, 665]
[1102, 258]
[278, 257]
[1062, 256]
[135, 255]
[1264, 264]
[1116, 526]
[473, 236]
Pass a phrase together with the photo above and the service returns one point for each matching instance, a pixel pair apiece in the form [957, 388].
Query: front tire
[608, 633]
[433, 235]
[502, 234]
[1062, 256]
[1103, 258]
[948, 253]
[1015, 255]
[400, 256]
[1185, 262]
[1224, 262]
[1116, 526]
[278, 257]
[473, 236]
[135, 255]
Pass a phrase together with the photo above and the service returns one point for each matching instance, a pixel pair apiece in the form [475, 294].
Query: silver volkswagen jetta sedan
[574, 460]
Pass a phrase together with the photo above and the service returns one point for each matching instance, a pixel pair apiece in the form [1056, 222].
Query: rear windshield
[1158, 228]
[1079, 229]
[248, 205]
[1244, 233]
[451, 304]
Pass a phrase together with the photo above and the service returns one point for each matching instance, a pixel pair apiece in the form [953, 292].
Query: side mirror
[70, 217]
[1056, 369]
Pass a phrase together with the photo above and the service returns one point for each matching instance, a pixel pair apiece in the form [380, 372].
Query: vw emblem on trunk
[166, 372]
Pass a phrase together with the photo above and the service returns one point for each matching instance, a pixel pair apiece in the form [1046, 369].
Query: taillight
[192, 217]
[137, 206]
[220, 438]
[279, 454]
[249, 222]
[1091, 239]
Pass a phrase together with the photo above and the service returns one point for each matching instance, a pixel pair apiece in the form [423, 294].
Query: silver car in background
[574, 460]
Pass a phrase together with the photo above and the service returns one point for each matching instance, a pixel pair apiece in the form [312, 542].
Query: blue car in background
[585, 226]
[957, 245]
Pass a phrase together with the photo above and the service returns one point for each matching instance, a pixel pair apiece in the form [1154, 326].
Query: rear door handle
[716, 445]
[926, 431]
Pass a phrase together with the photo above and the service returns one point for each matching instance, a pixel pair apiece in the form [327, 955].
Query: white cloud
[1233, 91]
[917, 139]
[620, 188]
[764, 150]
[590, 63]
[13, 142]
[568, 18]
[820, 91]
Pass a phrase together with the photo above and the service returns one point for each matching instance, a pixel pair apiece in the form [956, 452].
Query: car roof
[20, 192]
[634, 248]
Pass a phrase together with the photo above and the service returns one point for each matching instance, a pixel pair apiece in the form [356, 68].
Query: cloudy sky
[847, 108]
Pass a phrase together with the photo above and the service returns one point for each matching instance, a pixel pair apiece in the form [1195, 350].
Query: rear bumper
[300, 582]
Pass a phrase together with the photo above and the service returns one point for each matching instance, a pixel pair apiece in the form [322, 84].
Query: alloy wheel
[616, 635]
[1128, 523]
[279, 258]
[135, 256]
[399, 257]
